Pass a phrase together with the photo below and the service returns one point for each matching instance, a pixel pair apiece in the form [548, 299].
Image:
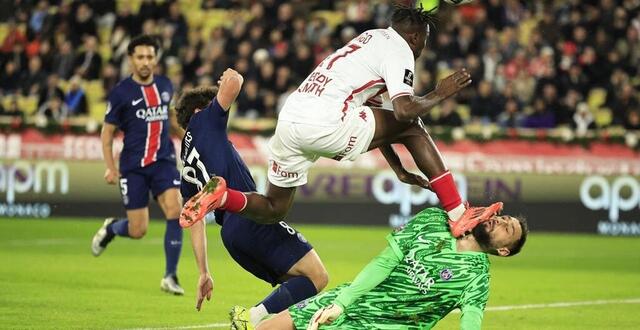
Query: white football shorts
[296, 146]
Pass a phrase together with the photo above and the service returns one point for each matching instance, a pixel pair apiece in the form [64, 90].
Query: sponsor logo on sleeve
[408, 77]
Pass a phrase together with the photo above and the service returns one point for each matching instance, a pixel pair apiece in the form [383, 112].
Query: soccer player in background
[139, 107]
[275, 253]
[422, 274]
[325, 117]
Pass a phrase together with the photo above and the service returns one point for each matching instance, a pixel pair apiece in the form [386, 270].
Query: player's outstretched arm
[371, 275]
[111, 175]
[408, 108]
[403, 175]
[229, 87]
[199, 243]
[474, 299]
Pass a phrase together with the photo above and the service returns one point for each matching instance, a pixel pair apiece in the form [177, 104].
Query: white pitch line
[488, 309]
[564, 304]
[210, 325]
[559, 305]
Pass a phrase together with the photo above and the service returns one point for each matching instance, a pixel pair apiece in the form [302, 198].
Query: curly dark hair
[409, 18]
[192, 99]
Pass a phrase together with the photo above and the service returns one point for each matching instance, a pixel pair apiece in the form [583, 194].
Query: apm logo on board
[620, 196]
[23, 177]
[387, 189]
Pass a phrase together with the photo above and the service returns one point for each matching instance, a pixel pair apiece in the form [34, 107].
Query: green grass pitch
[49, 279]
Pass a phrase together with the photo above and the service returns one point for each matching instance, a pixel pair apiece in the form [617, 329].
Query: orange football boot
[212, 196]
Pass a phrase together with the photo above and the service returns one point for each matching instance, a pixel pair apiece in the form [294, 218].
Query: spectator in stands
[179, 23]
[54, 110]
[511, 116]
[13, 110]
[32, 80]
[82, 25]
[14, 36]
[448, 114]
[250, 104]
[483, 106]
[50, 90]
[633, 119]
[565, 112]
[88, 63]
[76, 99]
[38, 16]
[10, 78]
[625, 98]
[63, 60]
[583, 119]
[541, 117]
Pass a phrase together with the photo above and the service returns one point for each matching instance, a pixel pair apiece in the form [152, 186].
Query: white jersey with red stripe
[142, 113]
[375, 62]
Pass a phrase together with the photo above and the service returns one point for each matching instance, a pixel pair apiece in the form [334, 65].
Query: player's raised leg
[427, 157]
[133, 226]
[169, 201]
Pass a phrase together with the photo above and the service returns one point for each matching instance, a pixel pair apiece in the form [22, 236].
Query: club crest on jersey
[165, 97]
[446, 274]
[153, 113]
[408, 77]
[302, 304]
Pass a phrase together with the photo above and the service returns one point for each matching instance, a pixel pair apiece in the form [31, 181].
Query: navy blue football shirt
[142, 113]
[207, 152]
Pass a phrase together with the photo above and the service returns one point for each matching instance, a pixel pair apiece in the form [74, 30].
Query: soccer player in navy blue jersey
[139, 107]
[275, 253]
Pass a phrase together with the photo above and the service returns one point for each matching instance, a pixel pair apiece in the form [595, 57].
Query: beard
[481, 235]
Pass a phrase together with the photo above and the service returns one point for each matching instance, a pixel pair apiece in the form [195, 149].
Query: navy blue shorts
[157, 177]
[266, 251]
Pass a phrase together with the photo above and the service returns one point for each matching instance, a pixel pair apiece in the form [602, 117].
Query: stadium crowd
[535, 64]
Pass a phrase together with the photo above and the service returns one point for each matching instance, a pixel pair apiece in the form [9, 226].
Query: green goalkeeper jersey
[431, 280]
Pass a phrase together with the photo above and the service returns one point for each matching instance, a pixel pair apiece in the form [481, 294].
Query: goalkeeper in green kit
[423, 274]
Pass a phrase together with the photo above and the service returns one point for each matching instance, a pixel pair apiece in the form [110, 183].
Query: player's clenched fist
[111, 176]
[453, 83]
[325, 316]
[230, 75]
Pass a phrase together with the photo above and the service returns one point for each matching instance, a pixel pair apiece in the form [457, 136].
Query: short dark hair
[409, 18]
[517, 246]
[192, 99]
[143, 40]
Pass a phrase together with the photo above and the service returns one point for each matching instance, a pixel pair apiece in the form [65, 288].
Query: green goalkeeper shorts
[351, 319]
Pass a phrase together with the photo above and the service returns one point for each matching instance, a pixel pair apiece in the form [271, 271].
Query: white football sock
[457, 212]
[257, 313]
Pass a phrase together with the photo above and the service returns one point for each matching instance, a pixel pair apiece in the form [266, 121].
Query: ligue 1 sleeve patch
[408, 77]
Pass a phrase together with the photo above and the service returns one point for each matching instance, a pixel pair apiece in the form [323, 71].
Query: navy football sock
[172, 245]
[288, 293]
[119, 228]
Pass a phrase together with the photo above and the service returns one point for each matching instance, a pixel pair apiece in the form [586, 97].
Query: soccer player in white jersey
[326, 117]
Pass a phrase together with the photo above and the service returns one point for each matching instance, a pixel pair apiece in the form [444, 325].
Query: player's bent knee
[321, 279]
[137, 233]
[173, 212]
[282, 321]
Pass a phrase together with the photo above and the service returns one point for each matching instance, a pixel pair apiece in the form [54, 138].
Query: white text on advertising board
[622, 194]
[403, 194]
[22, 177]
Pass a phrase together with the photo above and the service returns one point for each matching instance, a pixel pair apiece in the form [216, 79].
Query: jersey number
[363, 38]
[190, 173]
